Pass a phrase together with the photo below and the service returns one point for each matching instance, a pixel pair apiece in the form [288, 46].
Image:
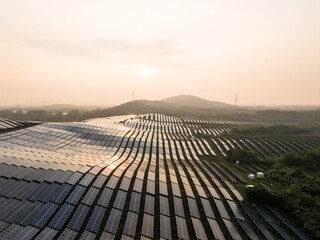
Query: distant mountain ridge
[193, 101]
[179, 105]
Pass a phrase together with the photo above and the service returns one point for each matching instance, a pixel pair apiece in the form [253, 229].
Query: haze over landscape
[98, 52]
[138, 119]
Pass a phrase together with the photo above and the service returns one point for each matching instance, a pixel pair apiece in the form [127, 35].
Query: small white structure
[237, 162]
[249, 186]
[260, 174]
[251, 176]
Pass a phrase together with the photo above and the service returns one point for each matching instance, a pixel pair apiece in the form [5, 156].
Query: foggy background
[98, 52]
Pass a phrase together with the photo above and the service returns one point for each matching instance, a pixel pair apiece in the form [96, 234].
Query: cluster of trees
[311, 117]
[244, 156]
[44, 115]
[285, 117]
[272, 130]
[296, 183]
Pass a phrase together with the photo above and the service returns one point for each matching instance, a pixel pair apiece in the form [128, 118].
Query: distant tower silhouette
[132, 95]
[236, 100]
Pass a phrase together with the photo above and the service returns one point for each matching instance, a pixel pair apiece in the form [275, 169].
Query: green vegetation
[44, 115]
[185, 106]
[296, 188]
[272, 130]
[244, 156]
[285, 117]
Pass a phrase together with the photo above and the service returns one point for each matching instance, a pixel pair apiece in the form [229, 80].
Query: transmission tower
[132, 95]
[236, 100]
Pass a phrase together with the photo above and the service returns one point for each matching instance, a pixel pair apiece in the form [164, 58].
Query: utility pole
[132, 95]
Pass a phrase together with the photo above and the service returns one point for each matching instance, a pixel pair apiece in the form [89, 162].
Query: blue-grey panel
[78, 217]
[76, 195]
[113, 221]
[40, 220]
[61, 217]
[130, 226]
[96, 219]
[135, 202]
[105, 197]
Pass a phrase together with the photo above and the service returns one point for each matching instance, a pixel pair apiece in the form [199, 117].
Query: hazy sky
[97, 52]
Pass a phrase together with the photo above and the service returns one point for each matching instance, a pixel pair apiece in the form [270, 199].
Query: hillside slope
[193, 101]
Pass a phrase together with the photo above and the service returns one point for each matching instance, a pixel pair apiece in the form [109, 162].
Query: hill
[178, 106]
[193, 101]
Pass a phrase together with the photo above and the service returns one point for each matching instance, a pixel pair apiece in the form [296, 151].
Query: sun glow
[147, 72]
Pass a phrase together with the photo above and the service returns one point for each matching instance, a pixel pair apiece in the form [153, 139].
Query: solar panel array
[7, 124]
[134, 177]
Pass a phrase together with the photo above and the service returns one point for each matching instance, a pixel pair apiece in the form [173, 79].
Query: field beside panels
[147, 176]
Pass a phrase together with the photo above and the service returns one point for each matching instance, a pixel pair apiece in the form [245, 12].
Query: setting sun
[147, 72]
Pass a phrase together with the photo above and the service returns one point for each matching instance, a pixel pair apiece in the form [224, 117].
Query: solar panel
[138, 185]
[165, 227]
[52, 191]
[112, 182]
[198, 227]
[96, 219]
[125, 184]
[61, 193]
[235, 210]
[74, 178]
[3, 225]
[131, 224]
[193, 208]
[27, 233]
[29, 215]
[109, 236]
[90, 196]
[76, 195]
[175, 189]
[189, 191]
[105, 197]
[222, 210]
[149, 204]
[182, 228]
[232, 229]
[47, 233]
[10, 214]
[213, 192]
[78, 217]
[87, 179]
[125, 237]
[86, 235]
[163, 188]
[207, 208]
[215, 229]
[164, 206]
[201, 191]
[135, 202]
[40, 220]
[36, 194]
[99, 181]
[61, 217]
[113, 221]
[68, 234]
[147, 225]
[178, 206]
[248, 230]
[120, 200]
[11, 232]
[150, 186]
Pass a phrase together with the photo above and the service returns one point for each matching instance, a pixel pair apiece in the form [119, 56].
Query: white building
[260, 174]
[251, 176]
